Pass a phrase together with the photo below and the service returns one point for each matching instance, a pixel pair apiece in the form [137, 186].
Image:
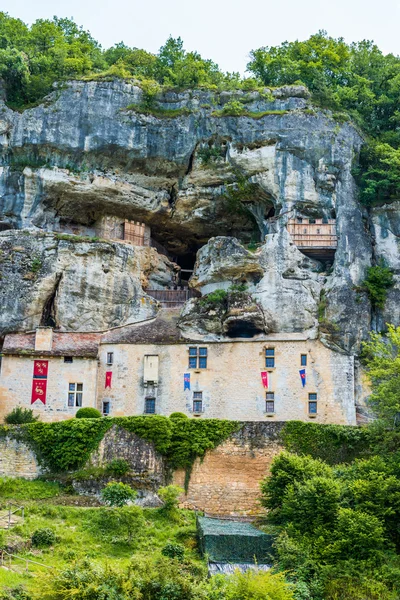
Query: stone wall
[17, 460]
[231, 385]
[227, 481]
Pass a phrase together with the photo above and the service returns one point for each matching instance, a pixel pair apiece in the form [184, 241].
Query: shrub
[117, 494]
[233, 108]
[19, 416]
[173, 551]
[169, 495]
[178, 415]
[15, 593]
[253, 585]
[88, 413]
[378, 281]
[118, 466]
[43, 537]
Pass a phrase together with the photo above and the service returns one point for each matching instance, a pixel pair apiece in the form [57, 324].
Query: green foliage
[36, 265]
[19, 416]
[233, 108]
[117, 494]
[355, 78]
[211, 154]
[172, 550]
[178, 415]
[378, 281]
[331, 443]
[382, 360]
[43, 537]
[118, 467]
[120, 524]
[65, 445]
[15, 593]
[87, 413]
[25, 489]
[170, 496]
[155, 428]
[217, 298]
[258, 585]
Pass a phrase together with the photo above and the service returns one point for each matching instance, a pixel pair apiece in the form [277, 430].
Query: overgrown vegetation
[378, 281]
[19, 416]
[356, 78]
[88, 412]
[67, 445]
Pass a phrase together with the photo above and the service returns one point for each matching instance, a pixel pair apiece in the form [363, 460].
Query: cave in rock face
[242, 329]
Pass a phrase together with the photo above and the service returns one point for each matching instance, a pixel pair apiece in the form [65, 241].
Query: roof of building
[64, 344]
[161, 330]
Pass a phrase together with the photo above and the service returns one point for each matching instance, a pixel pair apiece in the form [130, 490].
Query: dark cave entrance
[242, 329]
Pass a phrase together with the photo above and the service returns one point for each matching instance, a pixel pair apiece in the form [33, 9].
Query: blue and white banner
[303, 376]
[186, 381]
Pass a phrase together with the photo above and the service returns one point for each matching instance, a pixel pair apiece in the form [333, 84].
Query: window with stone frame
[150, 406]
[75, 394]
[110, 358]
[270, 358]
[198, 356]
[312, 403]
[106, 408]
[303, 360]
[270, 402]
[197, 402]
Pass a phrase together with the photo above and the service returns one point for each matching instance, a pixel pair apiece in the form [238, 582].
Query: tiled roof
[161, 330]
[64, 344]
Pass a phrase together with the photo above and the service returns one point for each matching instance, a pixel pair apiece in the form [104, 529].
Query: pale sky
[223, 30]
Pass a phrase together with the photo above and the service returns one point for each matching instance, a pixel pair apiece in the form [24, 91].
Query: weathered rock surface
[87, 152]
[78, 286]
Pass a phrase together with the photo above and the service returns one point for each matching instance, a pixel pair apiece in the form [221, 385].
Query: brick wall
[17, 460]
[227, 481]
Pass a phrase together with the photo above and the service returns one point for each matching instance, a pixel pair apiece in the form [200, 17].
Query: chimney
[44, 339]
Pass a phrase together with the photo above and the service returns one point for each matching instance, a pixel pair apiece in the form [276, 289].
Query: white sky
[223, 30]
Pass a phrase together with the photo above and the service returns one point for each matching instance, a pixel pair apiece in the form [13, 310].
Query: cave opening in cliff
[186, 262]
[242, 329]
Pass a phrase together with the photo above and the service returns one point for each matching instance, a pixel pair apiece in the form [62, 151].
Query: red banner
[108, 379]
[40, 368]
[39, 388]
[264, 377]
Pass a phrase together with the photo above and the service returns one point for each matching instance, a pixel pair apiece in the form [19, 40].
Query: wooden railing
[7, 556]
[171, 298]
[6, 517]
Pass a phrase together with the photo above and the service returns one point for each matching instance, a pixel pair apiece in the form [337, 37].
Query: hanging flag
[264, 377]
[186, 381]
[108, 379]
[40, 368]
[303, 376]
[39, 387]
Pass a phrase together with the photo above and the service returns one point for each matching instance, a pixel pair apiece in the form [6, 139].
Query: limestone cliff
[90, 151]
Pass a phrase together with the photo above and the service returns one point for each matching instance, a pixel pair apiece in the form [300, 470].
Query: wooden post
[9, 517]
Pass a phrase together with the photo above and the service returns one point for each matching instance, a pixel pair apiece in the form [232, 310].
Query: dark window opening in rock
[242, 329]
[269, 212]
[68, 359]
[186, 263]
[49, 312]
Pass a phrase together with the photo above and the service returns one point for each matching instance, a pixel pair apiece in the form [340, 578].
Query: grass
[162, 113]
[98, 534]
[21, 489]
[250, 114]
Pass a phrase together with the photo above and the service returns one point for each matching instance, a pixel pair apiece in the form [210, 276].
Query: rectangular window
[197, 402]
[312, 396]
[303, 360]
[75, 394]
[270, 402]
[106, 408]
[270, 358]
[68, 359]
[198, 358]
[110, 358]
[150, 406]
[312, 408]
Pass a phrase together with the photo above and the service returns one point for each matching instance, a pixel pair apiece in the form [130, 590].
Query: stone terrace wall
[227, 481]
[17, 460]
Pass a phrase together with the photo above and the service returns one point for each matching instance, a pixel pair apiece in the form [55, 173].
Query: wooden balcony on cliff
[316, 238]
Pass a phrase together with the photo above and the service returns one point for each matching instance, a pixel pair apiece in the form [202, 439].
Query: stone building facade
[150, 368]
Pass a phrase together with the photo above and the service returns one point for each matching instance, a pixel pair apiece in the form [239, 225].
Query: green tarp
[233, 541]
